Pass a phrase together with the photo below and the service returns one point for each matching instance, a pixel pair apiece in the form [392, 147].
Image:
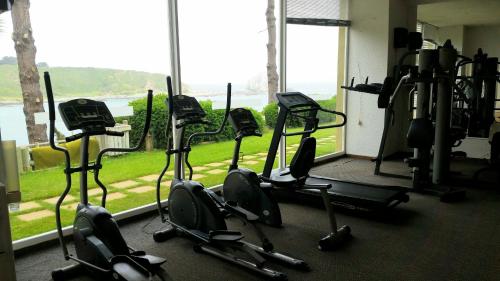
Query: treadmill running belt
[359, 194]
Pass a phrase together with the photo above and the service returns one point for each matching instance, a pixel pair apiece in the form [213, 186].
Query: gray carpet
[423, 239]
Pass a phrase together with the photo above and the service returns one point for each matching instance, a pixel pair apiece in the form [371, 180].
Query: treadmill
[348, 194]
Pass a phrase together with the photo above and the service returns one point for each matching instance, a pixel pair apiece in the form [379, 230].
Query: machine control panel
[296, 100]
[186, 107]
[243, 122]
[86, 114]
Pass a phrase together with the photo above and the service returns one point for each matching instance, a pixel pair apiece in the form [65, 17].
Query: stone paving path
[40, 209]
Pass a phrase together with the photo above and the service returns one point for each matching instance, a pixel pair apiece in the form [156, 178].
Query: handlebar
[115, 149]
[344, 119]
[52, 127]
[52, 114]
[81, 135]
[144, 131]
[316, 123]
[222, 125]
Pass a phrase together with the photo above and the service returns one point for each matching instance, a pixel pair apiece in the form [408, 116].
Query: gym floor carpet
[423, 239]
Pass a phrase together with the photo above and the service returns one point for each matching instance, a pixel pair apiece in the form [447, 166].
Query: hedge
[159, 120]
[270, 113]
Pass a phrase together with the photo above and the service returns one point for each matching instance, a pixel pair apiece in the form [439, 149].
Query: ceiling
[461, 12]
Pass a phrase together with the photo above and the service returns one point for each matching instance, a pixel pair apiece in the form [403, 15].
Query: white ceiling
[461, 12]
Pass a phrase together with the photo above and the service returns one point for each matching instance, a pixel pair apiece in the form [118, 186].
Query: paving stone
[198, 176]
[249, 157]
[216, 171]
[199, 168]
[28, 206]
[53, 200]
[216, 164]
[262, 153]
[153, 177]
[169, 173]
[115, 195]
[228, 161]
[35, 215]
[95, 191]
[295, 145]
[250, 162]
[167, 183]
[70, 207]
[123, 184]
[141, 189]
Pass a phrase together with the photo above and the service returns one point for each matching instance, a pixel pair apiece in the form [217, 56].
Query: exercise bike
[198, 213]
[252, 192]
[101, 250]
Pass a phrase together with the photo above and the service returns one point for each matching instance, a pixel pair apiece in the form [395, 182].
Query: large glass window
[220, 42]
[107, 50]
[313, 68]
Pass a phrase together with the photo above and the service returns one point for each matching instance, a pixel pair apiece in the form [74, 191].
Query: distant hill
[82, 82]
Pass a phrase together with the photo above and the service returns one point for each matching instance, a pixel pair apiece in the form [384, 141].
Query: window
[112, 51]
[313, 68]
[220, 42]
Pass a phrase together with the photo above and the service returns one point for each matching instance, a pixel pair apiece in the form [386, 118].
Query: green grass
[40, 185]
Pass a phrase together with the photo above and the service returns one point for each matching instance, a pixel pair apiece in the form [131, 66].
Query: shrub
[325, 117]
[159, 121]
[271, 115]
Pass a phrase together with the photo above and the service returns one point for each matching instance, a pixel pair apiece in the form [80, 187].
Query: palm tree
[272, 73]
[28, 72]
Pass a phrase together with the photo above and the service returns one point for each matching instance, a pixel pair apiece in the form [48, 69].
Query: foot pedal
[225, 235]
[149, 259]
[128, 272]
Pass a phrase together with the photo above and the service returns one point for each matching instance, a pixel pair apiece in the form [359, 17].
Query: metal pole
[442, 145]
[84, 161]
[425, 68]
[175, 67]
[282, 72]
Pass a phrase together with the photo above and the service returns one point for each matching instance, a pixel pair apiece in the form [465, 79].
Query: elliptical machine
[243, 185]
[100, 248]
[197, 212]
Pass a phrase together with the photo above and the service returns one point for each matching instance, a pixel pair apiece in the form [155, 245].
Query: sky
[220, 41]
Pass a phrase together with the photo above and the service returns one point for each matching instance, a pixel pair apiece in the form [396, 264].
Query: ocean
[13, 126]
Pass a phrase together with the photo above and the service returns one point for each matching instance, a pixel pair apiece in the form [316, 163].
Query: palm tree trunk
[272, 74]
[28, 72]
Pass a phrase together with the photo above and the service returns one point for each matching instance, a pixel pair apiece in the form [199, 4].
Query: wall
[454, 33]
[486, 37]
[367, 56]
[401, 15]
[371, 54]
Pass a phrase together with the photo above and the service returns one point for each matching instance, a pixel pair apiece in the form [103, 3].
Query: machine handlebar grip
[75, 137]
[50, 96]
[114, 133]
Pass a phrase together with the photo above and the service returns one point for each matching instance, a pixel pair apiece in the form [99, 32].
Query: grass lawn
[38, 186]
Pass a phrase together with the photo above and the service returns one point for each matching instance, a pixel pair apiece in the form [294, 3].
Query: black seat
[303, 160]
